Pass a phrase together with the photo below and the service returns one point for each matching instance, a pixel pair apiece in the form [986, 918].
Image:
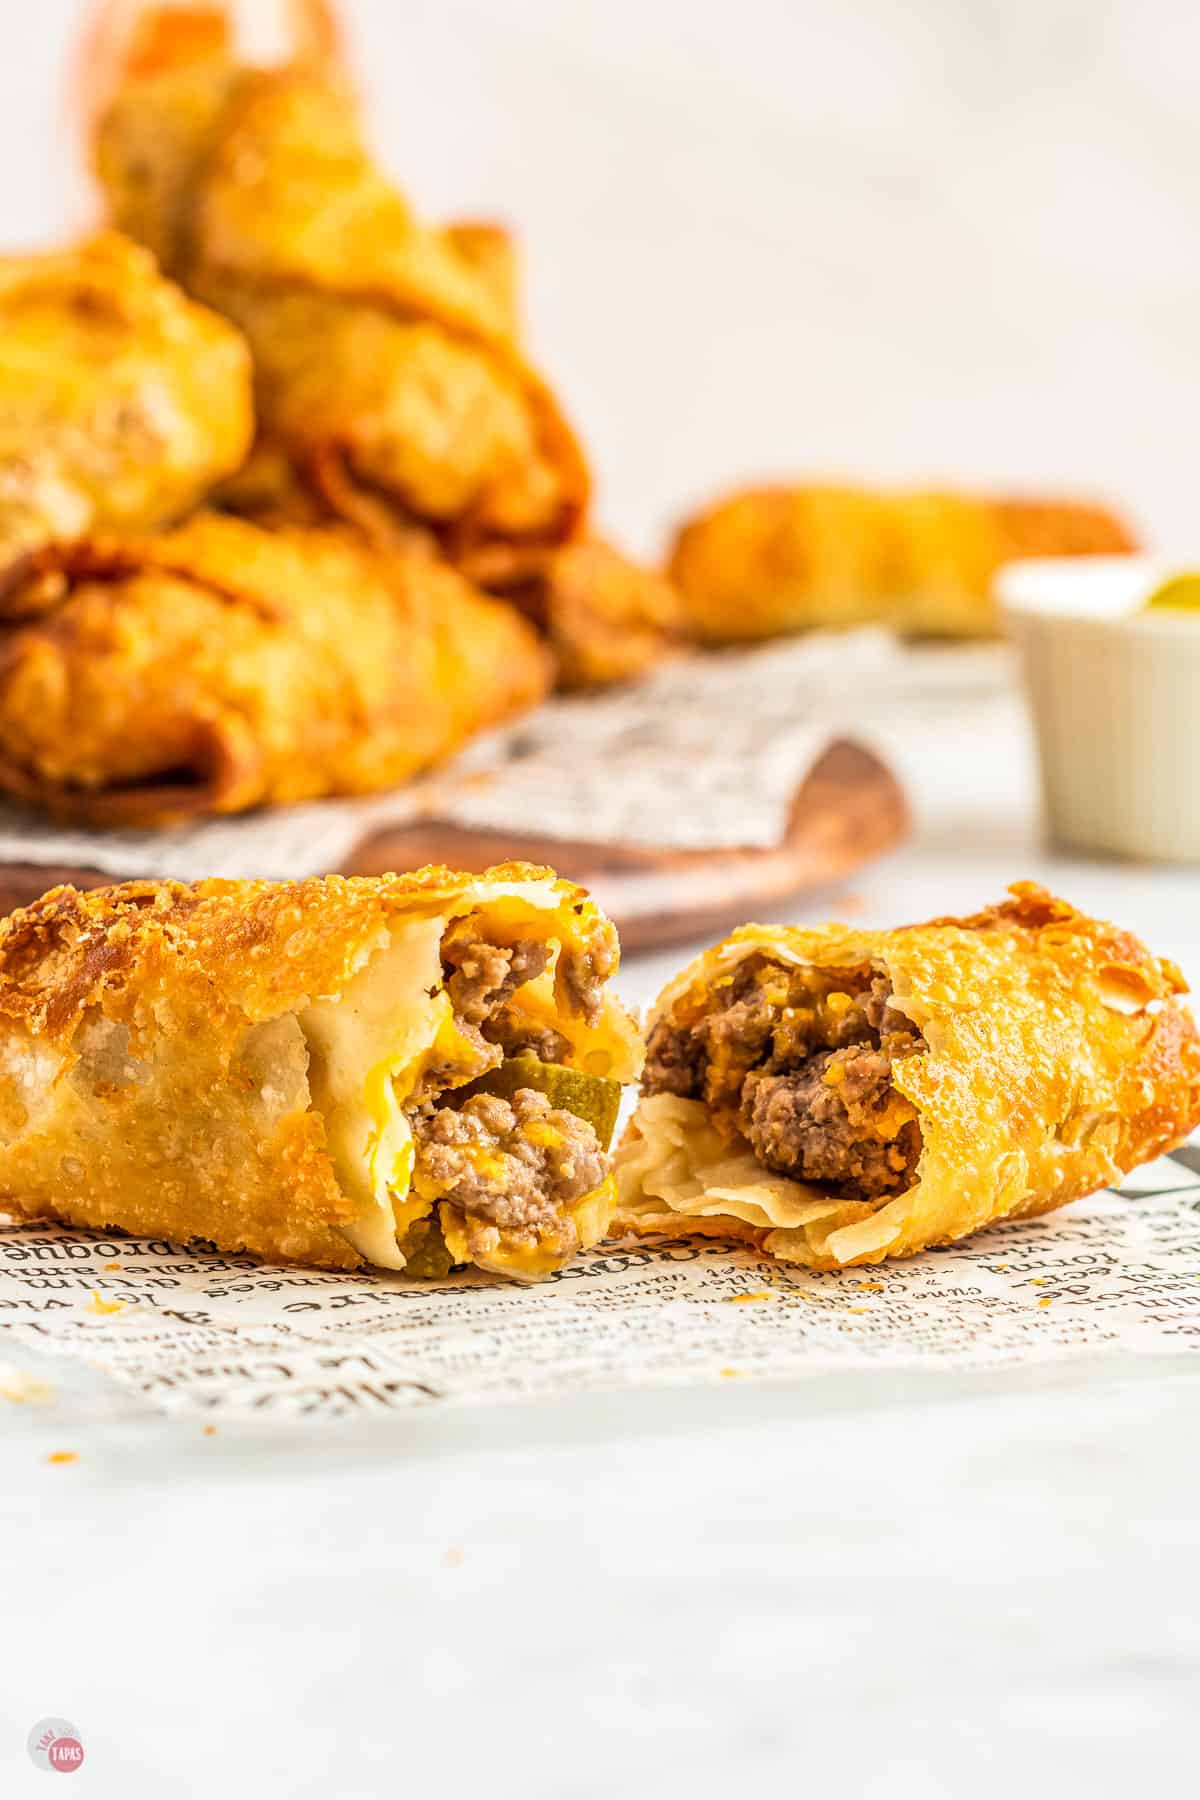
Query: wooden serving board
[848, 811]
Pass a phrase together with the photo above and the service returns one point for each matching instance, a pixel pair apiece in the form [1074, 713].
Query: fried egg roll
[221, 667]
[391, 390]
[318, 1072]
[387, 368]
[774, 560]
[836, 1097]
[605, 618]
[121, 401]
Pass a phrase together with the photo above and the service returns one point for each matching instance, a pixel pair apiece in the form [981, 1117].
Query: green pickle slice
[425, 1252]
[594, 1098]
[1181, 593]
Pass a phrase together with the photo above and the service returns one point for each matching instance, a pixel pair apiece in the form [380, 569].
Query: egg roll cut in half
[387, 367]
[221, 667]
[835, 1096]
[121, 401]
[304, 1071]
[772, 560]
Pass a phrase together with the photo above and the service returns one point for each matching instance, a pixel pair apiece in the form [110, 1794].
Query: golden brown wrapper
[781, 559]
[121, 400]
[221, 667]
[386, 362]
[1055, 1057]
[232, 1062]
[390, 387]
[605, 617]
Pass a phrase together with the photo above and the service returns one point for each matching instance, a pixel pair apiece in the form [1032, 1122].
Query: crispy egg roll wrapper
[121, 400]
[605, 617]
[1036, 1055]
[259, 1066]
[490, 250]
[774, 560]
[385, 357]
[221, 667]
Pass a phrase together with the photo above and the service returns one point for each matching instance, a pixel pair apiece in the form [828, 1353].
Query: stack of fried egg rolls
[391, 388]
[384, 352]
[415, 1072]
[121, 400]
[780, 559]
[834, 1097]
[219, 667]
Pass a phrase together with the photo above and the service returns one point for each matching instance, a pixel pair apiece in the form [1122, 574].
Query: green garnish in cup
[1179, 593]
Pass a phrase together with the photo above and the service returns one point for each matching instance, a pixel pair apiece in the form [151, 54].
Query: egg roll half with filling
[412, 1071]
[121, 400]
[772, 560]
[836, 1097]
[221, 667]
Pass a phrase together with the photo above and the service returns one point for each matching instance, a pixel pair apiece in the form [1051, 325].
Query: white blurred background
[950, 239]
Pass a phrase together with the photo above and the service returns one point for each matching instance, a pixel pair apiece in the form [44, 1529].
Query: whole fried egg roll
[121, 400]
[221, 667]
[386, 364]
[412, 1071]
[767, 561]
[835, 1097]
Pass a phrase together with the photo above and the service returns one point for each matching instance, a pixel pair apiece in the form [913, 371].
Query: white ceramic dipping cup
[1115, 692]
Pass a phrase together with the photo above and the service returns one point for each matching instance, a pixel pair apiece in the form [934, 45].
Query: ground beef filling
[514, 1166]
[799, 1063]
[481, 979]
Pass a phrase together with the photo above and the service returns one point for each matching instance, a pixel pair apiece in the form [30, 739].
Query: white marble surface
[871, 1585]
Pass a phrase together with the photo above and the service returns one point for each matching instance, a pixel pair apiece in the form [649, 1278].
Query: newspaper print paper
[707, 752]
[221, 1336]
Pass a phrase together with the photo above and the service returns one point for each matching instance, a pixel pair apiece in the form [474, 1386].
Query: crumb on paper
[454, 1557]
[63, 1456]
[1046, 1300]
[1037, 1281]
[858, 1309]
[210, 1431]
[870, 1287]
[24, 1388]
[732, 1374]
[102, 1307]
[745, 1299]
